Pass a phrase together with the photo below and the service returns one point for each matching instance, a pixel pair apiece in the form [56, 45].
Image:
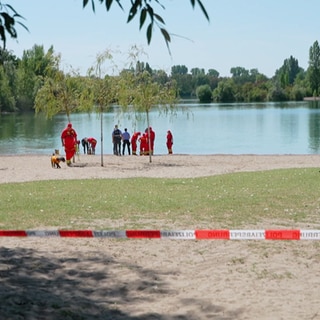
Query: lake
[247, 128]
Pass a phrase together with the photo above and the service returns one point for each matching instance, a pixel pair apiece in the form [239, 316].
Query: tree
[102, 89]
[34, 66]
[143, 94]
[204, 93]
[277, 93]
[8, 79]
[179, 73]
[160, 76]
[197, 72]
[179, 70]
[240, 75]
[7, 100]
[314, 68]
[63, 93]
[288, 72]
[225, 92]
[213, 73]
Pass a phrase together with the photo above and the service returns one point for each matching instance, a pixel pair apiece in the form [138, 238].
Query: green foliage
[225, 92]
[101, 90]
[38, 73]
[277, 93]
[7, 100]
[62, 93]
[22, 82]
[102, 86]
[204, 93]
[287, 74]
[183, 81]
[8, 19]
[179, 70]
[213, 73]
[140, 93]
[145, 11]
[314, 68]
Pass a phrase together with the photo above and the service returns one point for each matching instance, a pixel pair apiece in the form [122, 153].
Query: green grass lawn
[288, 197]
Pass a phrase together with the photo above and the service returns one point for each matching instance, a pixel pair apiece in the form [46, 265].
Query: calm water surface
[266, 128]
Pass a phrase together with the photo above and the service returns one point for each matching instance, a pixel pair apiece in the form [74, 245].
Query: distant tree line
[23, 79]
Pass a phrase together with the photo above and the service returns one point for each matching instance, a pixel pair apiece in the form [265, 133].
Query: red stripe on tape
[213, 234]
[154, 234]
[282, 234]
[13, 233]
[76, 233]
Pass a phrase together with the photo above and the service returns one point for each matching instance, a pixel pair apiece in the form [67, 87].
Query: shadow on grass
[38, 286]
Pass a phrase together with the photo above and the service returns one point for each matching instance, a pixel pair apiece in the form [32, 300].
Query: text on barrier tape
[222, 234]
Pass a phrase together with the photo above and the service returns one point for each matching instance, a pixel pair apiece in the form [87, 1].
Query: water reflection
[263, 128]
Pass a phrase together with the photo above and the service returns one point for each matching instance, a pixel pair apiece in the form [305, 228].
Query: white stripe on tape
[178, 234]
[310, 234]
[247, 234]
[109, 234]
[43, 233]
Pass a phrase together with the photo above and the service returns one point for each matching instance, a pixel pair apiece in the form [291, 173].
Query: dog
[55, 161]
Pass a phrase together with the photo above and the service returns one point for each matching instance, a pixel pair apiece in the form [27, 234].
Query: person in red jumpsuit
[143, 145]
[134, 139]
[169, 141]
[69, 142]
[92, 144]
[152, 138]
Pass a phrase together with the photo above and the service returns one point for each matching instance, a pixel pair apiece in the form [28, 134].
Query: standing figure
[152, 138]
[169, 141]
[116, 140]
[134, 139]
[143, 144]
[92, 144]
[69, 142]
[125, 141]
[85, 145]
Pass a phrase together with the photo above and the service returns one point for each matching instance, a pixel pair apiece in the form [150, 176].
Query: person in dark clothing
[85, 145]
[116, 140]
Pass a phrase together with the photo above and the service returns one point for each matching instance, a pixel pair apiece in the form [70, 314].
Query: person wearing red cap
[134, 139]
[69, 142]
[169, 141]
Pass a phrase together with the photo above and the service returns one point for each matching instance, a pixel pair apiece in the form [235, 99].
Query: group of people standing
[145, 140]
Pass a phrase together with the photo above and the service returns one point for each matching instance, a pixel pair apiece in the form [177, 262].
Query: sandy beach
[53, 278]
[38, 167]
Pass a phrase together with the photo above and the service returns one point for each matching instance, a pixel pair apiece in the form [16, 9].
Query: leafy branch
[8, 19]
[147, 15]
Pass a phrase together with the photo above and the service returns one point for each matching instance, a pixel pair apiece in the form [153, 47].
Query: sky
[253, 34]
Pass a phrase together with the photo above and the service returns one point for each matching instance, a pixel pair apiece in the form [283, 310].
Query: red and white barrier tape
[275, 234]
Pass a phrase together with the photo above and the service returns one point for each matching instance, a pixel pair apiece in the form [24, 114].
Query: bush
[204, 93]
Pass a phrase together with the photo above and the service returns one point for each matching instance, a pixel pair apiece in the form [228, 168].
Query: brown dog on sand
[55, 160]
